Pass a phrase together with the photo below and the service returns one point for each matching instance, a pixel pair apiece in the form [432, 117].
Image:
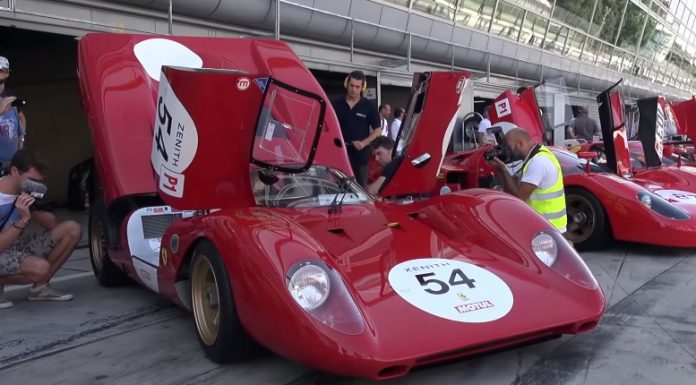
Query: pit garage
[43, 72]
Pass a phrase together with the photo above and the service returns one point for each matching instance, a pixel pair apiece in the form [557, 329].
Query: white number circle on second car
[454, 290]
[681, 196]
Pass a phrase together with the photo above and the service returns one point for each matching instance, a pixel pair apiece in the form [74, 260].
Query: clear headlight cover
[545, 248]
[662, 206]
[320, 290]
[567, 262]
[309, 286]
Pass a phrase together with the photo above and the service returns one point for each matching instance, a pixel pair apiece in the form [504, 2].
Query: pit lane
[129, 335]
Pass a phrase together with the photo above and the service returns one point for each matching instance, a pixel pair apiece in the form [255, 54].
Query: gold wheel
[205, 299]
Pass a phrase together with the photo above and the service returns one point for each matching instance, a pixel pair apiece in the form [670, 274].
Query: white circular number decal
[454, 290]
[676, 195]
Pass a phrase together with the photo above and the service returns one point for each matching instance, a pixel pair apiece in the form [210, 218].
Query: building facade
[589, 43]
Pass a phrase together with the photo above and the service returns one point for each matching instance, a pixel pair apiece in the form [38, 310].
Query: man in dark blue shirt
[359, 122]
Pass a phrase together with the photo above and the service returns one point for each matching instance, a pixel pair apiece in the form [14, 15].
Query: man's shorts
[39, 245]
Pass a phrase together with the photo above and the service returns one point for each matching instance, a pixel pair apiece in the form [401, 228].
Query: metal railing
[171, 18]
[609, 62]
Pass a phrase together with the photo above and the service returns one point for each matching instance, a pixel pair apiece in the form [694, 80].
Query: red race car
[656, 206]
[224, 186]
[659, 124]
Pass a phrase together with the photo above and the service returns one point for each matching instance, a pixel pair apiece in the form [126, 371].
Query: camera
[34, 188]
[500, 151]
[19, 103]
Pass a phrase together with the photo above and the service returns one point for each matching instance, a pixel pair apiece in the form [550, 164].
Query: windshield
[288, 127]
[638, 157]
[318, 186]
[571, 164]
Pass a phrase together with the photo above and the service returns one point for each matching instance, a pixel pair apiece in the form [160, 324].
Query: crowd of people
[535, 176]
[27, 258]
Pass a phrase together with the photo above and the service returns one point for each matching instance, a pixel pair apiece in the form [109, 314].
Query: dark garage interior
[43, 72]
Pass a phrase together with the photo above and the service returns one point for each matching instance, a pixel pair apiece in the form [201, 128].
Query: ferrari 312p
[224, 186]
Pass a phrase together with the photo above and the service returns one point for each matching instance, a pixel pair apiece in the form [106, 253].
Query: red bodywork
[616, 186]
[685, 115]
[362, 243]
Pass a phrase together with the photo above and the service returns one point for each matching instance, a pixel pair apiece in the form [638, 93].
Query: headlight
[545, 248]
[566, 261]
[321, 292]
[645, 200]
[659, 205]
[309, 286]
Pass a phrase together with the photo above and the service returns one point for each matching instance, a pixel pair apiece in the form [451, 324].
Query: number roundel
[450, 289]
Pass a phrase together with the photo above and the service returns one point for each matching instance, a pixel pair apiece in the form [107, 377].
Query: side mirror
[421, 160]
[587, 154]
[676, 150]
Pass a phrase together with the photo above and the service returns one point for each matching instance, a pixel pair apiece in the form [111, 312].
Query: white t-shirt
[483, 128]
[385, 127]
[394, 129]
[484, 125]
[541, 172]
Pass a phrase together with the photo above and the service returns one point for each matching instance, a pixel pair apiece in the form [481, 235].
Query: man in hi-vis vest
[539, 180]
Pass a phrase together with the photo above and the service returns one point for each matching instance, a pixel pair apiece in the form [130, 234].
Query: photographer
[539, 180]
[31, 259]
[13, 123]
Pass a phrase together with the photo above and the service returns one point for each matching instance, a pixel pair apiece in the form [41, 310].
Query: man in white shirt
[483, 136]
[396, 123]
[539, 179]
[384, 113]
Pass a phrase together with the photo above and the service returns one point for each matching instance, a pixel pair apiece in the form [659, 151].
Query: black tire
[106, 272]
[588, 226]
[229, 342]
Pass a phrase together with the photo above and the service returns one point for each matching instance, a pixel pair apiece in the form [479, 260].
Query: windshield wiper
[335, 206]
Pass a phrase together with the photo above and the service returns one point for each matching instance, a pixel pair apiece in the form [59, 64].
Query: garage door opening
[43, 72]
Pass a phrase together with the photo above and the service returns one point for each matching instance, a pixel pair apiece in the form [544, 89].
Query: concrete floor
[130, 336]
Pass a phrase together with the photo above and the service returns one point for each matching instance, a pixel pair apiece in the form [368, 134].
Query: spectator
[28, 259]
[382, 149]
[359, 124]
[12, 120]
[583, 127]
[539, 180]
[483, 136]
[384, 113]
[396, 123]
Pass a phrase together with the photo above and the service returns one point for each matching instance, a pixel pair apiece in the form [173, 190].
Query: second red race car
[603, 201]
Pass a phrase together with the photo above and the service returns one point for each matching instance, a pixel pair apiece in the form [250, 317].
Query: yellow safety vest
[550, 202]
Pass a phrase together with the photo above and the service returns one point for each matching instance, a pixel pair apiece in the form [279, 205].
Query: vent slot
[154, 226]
[336, 230]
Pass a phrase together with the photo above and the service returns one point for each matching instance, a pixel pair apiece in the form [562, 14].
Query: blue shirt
[10, 133]
[7, 210]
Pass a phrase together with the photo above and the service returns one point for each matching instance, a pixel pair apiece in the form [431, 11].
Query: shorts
[39, 245]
